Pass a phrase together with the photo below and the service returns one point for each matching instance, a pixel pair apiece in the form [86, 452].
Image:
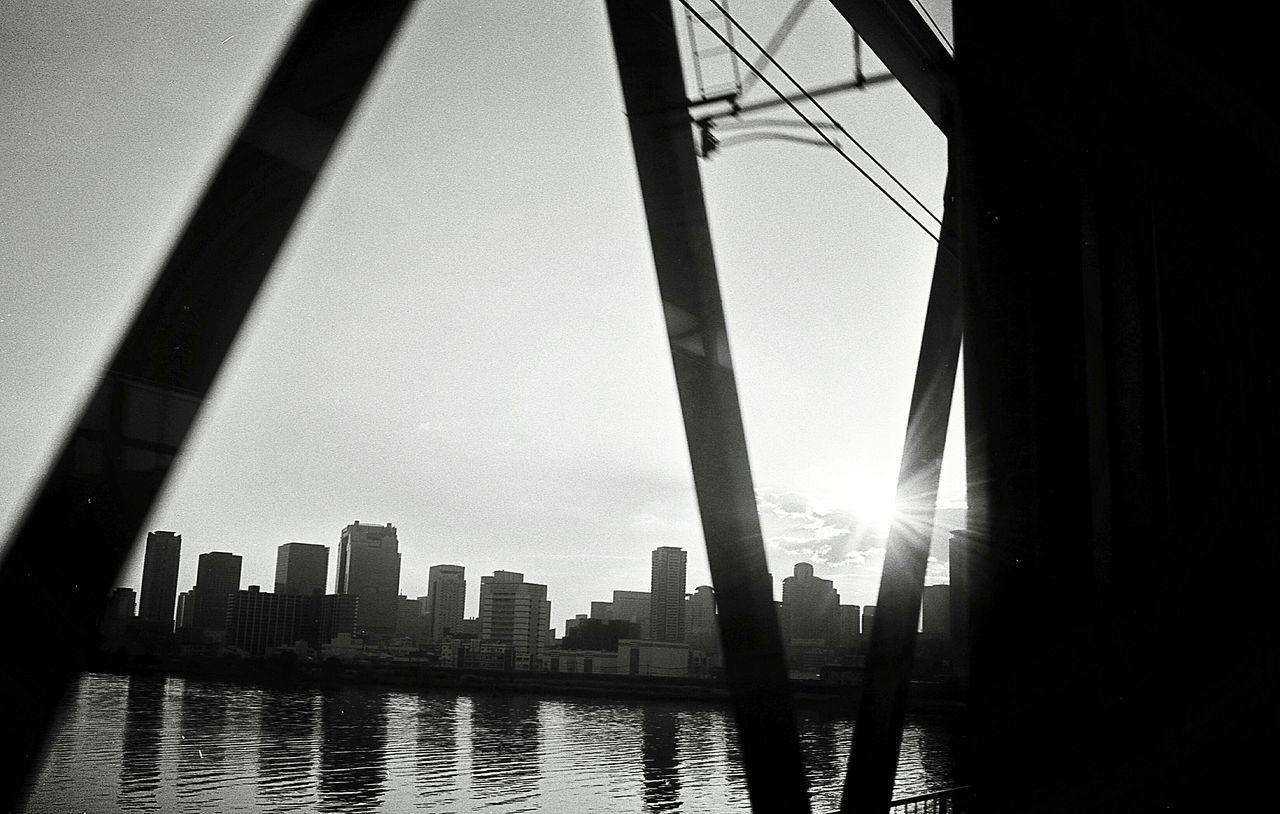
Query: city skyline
[464, 335]
[471, 598]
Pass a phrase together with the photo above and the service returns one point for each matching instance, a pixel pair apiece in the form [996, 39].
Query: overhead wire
[814, 126]
[808, 96]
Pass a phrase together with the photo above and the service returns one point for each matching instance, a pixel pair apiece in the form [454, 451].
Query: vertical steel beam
[90, 510]
[873, 762]
[653, 87]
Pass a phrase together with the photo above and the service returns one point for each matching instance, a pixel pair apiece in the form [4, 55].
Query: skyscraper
[704, 631]
[302, 568]
[810, 606]
[935, 612]
[160, 578]
[666, 595]
[515, 612]
[446, 598]
[217, 578]
[369, 568]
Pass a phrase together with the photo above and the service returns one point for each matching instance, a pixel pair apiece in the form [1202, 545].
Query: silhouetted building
[515, 612]
[446, 598]
[217, 578]
[160, 578]
[666, 595]
[412, 621]
[184, 614]
[704, 630]
[597, 634]
[259, 622]
[850, 626]
[868, 617]
[810, 607]
[935, 612]
[122, 604]
[328, 617]
[302, 568]
[369, 568]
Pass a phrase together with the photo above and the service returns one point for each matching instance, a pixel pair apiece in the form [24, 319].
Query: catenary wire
[804, 91]
[774, 88]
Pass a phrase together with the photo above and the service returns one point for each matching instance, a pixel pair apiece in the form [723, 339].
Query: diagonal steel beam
[873, 763]
[644, 40]
[910, 50]
[88, 514]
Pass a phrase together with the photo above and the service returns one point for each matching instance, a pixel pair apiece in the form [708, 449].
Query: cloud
[795, 524]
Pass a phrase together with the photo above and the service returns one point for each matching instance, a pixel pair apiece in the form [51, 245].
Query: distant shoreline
[925, 696]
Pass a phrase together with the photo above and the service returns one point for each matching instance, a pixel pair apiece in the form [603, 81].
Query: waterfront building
[258, 622]
[935, 612]
[446, 598]
[122, 604]
[666, 594]
[850, 626]
[217, 578]
[302, 568]
[369, 568]
[653, 658]
[329, 617]
[585, 662]
[160, 579]
[810, 607]
[598, 634]
[515, 612]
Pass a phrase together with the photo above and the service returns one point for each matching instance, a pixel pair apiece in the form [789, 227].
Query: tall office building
[704, 631]
[850, 625]
[935, 612]
[810, 607]
[446, 598]
[369, 568]
[302, 568]
[666, 595]
[515, 612]
[160, 578]
[217, 578]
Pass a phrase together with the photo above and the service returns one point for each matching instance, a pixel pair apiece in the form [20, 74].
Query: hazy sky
[464, 337]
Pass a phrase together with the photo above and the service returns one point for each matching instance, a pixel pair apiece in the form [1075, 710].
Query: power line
[818, 130]
[819, 106]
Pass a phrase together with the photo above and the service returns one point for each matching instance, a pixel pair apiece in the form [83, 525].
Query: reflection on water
[286, 751]
[660, 767]
[436, 770]
[145, 743]
[140, 753]
[353, 742]
[504, 750]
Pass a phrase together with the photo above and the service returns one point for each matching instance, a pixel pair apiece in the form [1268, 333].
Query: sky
[463, 335]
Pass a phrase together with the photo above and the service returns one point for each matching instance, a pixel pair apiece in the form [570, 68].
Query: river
[155, 743]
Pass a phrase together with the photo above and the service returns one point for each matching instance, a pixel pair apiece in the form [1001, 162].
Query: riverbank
[925, 696]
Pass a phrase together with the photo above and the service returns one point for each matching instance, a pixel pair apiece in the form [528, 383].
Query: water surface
[155, 743]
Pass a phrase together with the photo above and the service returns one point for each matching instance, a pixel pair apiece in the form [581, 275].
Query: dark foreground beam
[89, 512]
[911, 52]
[653, 87]
[873, 763]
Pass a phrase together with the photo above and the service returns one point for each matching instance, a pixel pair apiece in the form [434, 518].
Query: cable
[818, 130]
[816, 104]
